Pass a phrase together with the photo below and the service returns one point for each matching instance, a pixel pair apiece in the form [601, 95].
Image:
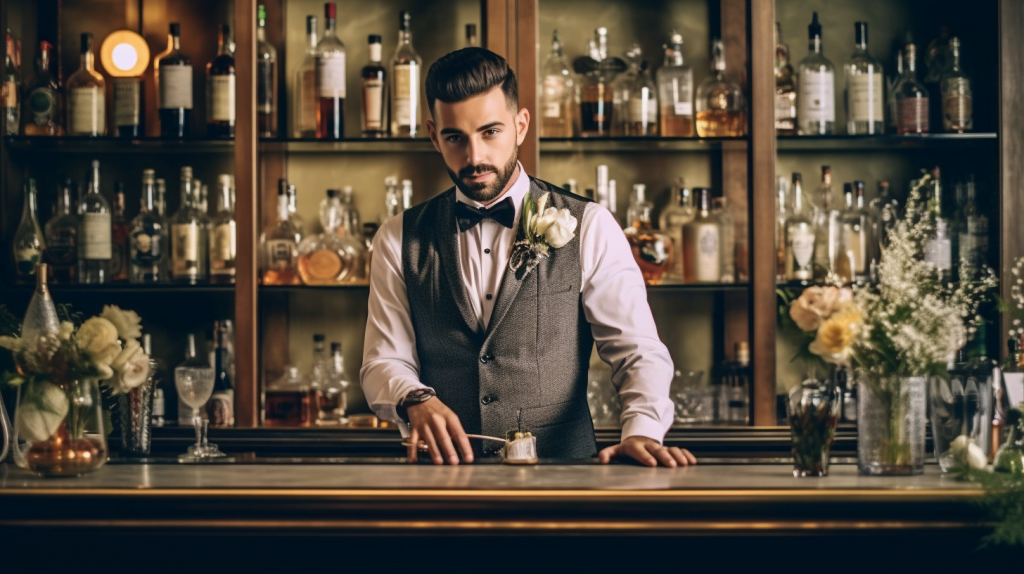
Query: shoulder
[424, 210]
[558, 192]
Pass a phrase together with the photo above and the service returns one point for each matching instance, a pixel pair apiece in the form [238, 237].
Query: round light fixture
[124, 54]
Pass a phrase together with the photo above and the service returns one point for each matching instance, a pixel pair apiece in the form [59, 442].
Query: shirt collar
[517, 192]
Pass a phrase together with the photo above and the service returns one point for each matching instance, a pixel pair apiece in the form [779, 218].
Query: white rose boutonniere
[545, 228]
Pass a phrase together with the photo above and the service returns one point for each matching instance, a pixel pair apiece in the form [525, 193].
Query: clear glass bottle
[721, 110]
[266, 79]
[651, 248]
[328, 206]
[29, 243]
[597, 96]
[856, 230]
[332, 258]
[884, 216]
[675, 91]
[148, 237]
[826, 232]
[406, 194]
[220, 89]
[938, 248]
[287, 400]
[865, 113]
[44, 100]
[643, 105]
[911, 97]
[406, 75]
[188, 235]
[330, 80]
[892, 113]
[702, 259]
[936, 62]
[87, 96]
[973, 229]
[785, 89]
[305, 108]
[332, 396]
[223, 236]
[957, 96]
[62, 239]
[816, 102]
[173, 72]
[392, 198]
[800, 240]
[10, 89]
[781, 215]
[727, 238]
[293, 210]
[94, 238]
[120, 235]
[279, 245]
[673, 217]
[557, 94]
[351, 224]
[622, 90]
[374, 92]
[161, 197]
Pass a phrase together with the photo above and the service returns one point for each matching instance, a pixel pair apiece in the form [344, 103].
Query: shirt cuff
[640, 425]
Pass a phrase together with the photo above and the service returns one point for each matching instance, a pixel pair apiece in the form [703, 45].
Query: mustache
[476, 170]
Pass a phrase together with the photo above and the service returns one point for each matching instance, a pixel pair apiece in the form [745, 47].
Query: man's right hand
[439, 427]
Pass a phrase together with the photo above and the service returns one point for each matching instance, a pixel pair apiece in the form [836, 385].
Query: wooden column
[511, 28]
[1011, 148]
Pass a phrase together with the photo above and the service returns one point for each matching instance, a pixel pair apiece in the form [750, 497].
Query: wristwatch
[415, 397]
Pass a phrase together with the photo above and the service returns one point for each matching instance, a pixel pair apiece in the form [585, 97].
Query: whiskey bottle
[266, 79]
[673, 217]
[800, 240]
[120, 235]
[94, 237]
[785, 89]
[62, 239]
[911, 97]
[622, 90]
[675, 91]
[331, 258]
[29, 243]
[221, 407]
[957, 96]
[643, 105]
[173, 71]
[43, 113]
[305, 108]
[816, 103]
[330, 80]
[287, 401]
[864, 88]
[10, 88]
[223, 235]
[188, 235]
[597, 95]
[637, 204]
[856, 230]
[651, 248]
[557, 94]
[702, 257]
[332, 393]
[220, 90]
[406, 73]
[87, 96]
[148, 237]
[374, 92]
[279, 245]
[721, 111]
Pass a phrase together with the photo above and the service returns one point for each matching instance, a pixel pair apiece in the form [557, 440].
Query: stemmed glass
[195, 385]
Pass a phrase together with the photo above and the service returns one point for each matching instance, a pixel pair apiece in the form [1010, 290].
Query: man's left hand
[648, 452]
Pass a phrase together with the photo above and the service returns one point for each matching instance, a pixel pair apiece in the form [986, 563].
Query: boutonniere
[544, 228]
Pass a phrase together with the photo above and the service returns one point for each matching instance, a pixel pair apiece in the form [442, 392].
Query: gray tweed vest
[533, 355]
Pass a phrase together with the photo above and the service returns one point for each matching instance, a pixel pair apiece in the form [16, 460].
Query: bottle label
[26, 259]
[553, 90]
[817, 101]
[126, 102]
[146, 248]
[222, 98]
[785, 108]
[803, 247]
[330, 75]
[42, 105]
[913, 113]
[159, 409]
[62, 246]
[175, 87]
[223, 245]
[373, 105]
[706, 263]
[9, 94]
[552, 110]
[676, 93]
[96, 241]
[280, 254]
[324, 265]
[87, 107]
[864, 92]
[643, 110]
[185, 249]
[407, 81]
[683, 108]
[265, 76]
[939, 249]
[307, 105]
[957, 110]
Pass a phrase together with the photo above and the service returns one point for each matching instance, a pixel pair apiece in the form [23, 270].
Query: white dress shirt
[614, 302]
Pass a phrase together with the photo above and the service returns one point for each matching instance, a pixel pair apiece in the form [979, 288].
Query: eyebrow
[485, 127]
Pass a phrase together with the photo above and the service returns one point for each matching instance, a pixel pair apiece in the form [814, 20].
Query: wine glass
[195, 385]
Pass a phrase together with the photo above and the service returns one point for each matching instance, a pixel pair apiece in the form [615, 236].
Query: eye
[453, 139]
[492, 132]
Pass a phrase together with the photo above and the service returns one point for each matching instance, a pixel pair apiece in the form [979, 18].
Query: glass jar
[891, 424]
[61, 426]
[813, 412]
[287, 401]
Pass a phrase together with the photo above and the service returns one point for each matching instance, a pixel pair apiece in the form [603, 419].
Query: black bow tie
[503, 212]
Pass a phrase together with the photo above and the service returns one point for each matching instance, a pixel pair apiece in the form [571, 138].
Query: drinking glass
[195, 385]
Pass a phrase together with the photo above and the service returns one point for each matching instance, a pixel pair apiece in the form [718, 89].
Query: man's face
[479, 139]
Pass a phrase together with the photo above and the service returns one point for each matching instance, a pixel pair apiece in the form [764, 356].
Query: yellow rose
[836, 335]
[128, 323]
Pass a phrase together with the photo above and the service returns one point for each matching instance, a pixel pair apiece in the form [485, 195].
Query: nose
[475, 151]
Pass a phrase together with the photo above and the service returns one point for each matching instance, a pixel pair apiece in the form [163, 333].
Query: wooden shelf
[886, 142]
[108, 144]
[637, 144]
[129, 289]
[348, 145]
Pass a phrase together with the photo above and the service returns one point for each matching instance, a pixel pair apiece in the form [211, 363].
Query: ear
[522, 125]
[432, 132]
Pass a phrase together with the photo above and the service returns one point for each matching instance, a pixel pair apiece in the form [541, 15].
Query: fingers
[606, 454]
[641, 454]
[414, 441]
[435, 453]
[689, 456]
[661, 453]
[457, 433]
[439, 428]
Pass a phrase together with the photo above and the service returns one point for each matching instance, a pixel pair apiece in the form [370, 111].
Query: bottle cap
[86, 42]
[861, 32]
[45, 46]
[310, 24]
[814, 29]
[797, 178]
[319, 338]
[858, 187]
[261, 15]
[335, 347]
[330, 10]
[703, 198]
[224, 180]
[332, 193]
[742, 353]
[471, 30]
[676, 38]
[404, 21]
[374, 39]
[847, 188]
[186, 171]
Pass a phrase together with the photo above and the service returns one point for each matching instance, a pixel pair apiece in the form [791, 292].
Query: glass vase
[813, 412]
[961, 416]
[891, 424]
[135, 410]
[59, 428]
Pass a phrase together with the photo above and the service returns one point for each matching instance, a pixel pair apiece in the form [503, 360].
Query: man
[459, 342]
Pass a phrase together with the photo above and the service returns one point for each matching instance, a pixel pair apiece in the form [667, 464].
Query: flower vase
[891, 425]
[961, 417]
[813, 412]
[135, 410]
[62, 427]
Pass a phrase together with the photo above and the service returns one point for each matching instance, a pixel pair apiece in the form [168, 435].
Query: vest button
[486, 358]
[488, 399]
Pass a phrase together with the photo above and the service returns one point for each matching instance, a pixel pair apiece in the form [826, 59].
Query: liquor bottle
[673, 217]
[702, 259]
[266, 79]
[148, 237]
[675, 91]
[973, 244]
[864, 88]
[826, 233]
[158, 413]
[557, 94]
[279, 244]
[328, 207]
[726, 238]
[10, 89]
[643, 105]
[892, 112]
[333, 257]
[287, 401]
[29, 243]
[120, 235]
[188, 235]
[957, 96]
[406, 74]
[622, 90]
[721, 111]
[87, 96]
[816, 104]
[911, 97]
[43, 113]
[781, 215]
[472, 40]
[392, 198]
[330, 80]
[596, 94]
[856, 229]
[161, 197]
[62, 239]
[305, 109]
[223, 235]
[221, 407]
[785, 89]
[318, 371]
[884, 214]
[374, 92]
[652, 249]
[800, 240]
[351, 225]
[332, 394]
[637, 203]
[936, 62]
[173, 71]
[938, 248]
[220, 90]
[406, 194]
[293, 212]
[94, 237]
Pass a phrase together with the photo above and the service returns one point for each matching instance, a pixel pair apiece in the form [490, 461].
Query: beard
[484, 192]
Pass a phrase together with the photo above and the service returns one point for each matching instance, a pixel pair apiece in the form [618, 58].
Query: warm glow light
[124, 54]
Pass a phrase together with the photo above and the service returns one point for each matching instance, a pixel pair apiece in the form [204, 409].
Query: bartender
[460, 339]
